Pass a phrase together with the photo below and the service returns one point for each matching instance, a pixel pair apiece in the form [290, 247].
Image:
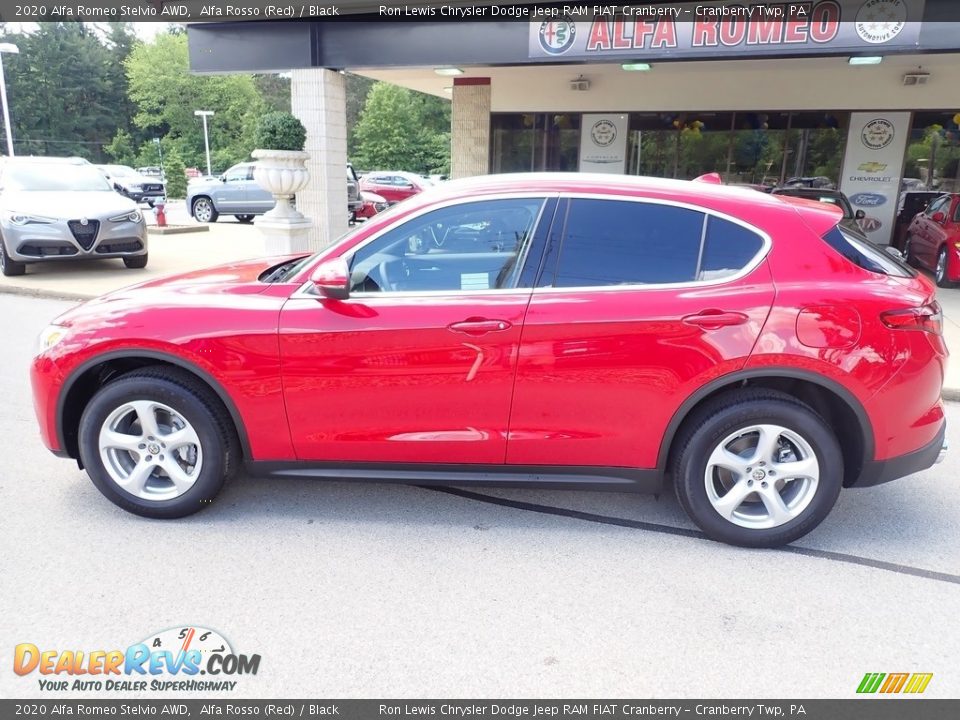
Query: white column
[470, 127]
[318, 98]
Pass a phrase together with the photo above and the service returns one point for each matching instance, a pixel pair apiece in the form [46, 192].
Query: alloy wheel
[942, 265]
[203, 210]
[762, 476]
[150, 450]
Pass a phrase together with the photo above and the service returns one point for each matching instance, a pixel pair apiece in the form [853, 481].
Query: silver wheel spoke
[147, 413]
[806, 468]
[136, 481]
[179, 438]
[766, 444]
[776, 507]
[733, 499]
[120, 441]
[721, 457]
[178, 476]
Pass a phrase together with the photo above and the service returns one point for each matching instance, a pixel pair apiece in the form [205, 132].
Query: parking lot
[377, 590]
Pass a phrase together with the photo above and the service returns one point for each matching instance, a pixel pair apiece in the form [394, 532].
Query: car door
[923, 238]
[640, 303]
[231, 195]
[259, 200]
[417, 364]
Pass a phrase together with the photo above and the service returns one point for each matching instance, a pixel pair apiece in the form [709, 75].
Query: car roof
[46, 159]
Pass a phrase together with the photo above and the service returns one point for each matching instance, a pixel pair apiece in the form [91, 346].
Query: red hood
[238, 278]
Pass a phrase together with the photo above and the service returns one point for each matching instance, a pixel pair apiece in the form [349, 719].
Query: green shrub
[280, 131]
[175, 174]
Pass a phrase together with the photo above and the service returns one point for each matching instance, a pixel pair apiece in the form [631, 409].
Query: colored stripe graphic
[918, 683]
[894, 683]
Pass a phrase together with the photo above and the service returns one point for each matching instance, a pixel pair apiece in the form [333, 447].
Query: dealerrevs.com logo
[170, 660]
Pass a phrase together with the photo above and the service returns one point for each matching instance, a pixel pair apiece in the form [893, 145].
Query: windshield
[45, 177]
[829, 198]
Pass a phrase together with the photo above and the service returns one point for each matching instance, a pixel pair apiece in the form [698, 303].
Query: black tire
[908, 252]
[136, 262]
[150, 203]
[722, 417]
[200, 201]
[197, 404]
[941, 276]
[10, 268]
[244, 218]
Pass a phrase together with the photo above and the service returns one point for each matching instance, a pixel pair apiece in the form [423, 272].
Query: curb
[950, 394]
[45, 294]
[176, 229]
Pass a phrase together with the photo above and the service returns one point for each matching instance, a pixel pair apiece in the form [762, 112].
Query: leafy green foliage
[402, 130]
[176, 178]
[280, 131]
[120, 149]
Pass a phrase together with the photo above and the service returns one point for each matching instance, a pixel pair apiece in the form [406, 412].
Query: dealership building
[864, 93]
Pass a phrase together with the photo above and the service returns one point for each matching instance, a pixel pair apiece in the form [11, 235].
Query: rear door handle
[479, 326]
[714, 319]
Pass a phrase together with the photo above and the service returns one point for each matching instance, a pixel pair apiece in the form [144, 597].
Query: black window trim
[754, 263]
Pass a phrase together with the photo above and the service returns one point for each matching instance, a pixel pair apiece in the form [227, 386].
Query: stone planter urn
[282, 173]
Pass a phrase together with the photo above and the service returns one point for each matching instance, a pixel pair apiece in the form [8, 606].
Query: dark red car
[563, 331]
[933, 240]
[393, 186]
[372, 205]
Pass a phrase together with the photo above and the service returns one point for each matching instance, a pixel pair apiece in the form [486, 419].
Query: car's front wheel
[203, 210]
[757, 468]
[10, 268]
[157, 443]
[940, 274]
[136, 262]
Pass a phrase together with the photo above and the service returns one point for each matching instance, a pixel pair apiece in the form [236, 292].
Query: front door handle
[479, 326]
[714, 319]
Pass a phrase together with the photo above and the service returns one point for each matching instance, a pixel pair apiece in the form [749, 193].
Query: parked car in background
[933, 240]
[64, 209]
[354, 199]
[137, 187]
[152, 171]
[372, 205]
[851, 219]
[909, 204]
[235, 192]
[564, 330]
[393, 186]
[819, 182]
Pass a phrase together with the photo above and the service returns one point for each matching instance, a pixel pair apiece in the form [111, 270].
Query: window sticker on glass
[474, 281]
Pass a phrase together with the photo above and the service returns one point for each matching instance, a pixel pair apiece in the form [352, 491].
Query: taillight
[928, 318]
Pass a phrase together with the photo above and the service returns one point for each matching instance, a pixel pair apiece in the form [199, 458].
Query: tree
[176, 178]
[64, 91]
[120, 149]
[402, 130]
[166, 94]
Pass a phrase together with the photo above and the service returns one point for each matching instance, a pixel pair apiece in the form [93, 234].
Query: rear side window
[616, 242]
[865, 255]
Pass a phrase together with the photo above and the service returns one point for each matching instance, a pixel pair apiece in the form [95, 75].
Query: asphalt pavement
[363, 590]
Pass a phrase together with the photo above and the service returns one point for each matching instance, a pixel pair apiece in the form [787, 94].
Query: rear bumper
[883, 471]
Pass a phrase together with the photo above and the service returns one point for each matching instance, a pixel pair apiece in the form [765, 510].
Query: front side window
[936, 206]
[235, 174]
[466, 247]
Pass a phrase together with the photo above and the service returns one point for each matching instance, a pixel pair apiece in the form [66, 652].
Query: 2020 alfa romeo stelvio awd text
[559, 330]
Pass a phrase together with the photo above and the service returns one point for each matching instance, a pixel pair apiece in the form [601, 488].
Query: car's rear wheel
[940, 274]
[757, 468]
[244, 218]
[203, 210]
[10, 268]
[136, 262]
[908, 252]
[157, 443]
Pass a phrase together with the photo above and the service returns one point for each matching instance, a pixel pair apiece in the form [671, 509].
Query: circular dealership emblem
[556, 37]
[603, 133]
[877, 134]
[880, 21]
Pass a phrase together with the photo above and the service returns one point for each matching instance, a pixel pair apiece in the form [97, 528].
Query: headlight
[51, 335]
[16, 218]
[133, 217]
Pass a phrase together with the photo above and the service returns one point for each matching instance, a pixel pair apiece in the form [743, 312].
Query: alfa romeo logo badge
[556, 37]
[603, 133]
[84, 222]
[880, 21]
[877, 134]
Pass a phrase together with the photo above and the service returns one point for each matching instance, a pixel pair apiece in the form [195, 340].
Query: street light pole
[206, 138]
[13, 50]
[159, 150]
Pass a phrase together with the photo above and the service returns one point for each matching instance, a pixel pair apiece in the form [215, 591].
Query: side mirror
[894, 253]
[332, 278]
[938, 217]
[859, 215]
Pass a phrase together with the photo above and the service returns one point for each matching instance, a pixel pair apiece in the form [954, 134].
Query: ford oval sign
[869, 199]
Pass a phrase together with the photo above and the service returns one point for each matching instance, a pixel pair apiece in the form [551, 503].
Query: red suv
[933, 240]
[393, 186]
[547, 330]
